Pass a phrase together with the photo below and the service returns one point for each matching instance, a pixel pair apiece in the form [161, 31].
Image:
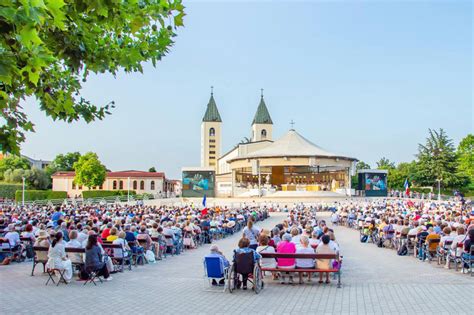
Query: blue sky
[366, 79]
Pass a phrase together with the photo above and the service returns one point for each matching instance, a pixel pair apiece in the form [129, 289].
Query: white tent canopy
[292, 144]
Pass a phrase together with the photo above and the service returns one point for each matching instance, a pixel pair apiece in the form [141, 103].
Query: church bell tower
[262, 124]
[211, 134]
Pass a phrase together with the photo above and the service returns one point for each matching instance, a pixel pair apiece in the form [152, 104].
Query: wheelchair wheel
[257, 279]
[231, 278]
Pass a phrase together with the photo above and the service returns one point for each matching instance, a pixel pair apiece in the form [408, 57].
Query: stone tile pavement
[374, 281]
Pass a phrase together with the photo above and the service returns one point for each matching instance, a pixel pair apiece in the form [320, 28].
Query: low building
[138, 181]
[39, 164]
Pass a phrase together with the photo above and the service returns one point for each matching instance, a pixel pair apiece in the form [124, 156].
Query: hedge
[86, 194]
[31, 195]
[8, 190]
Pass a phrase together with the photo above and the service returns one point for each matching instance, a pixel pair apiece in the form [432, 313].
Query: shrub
[8, 190]
[31, 195]
[105, 193]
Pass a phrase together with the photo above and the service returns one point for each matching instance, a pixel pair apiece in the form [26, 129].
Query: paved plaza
[374, 281]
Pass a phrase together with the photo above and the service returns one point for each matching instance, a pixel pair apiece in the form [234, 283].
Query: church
[290, 166]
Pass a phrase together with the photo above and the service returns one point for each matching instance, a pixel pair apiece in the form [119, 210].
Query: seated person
[112, 235]
[144, 237]
[302, 263]
[324, 264]
[286, 247]
[215, 252]
[124, 244]
[244, 247]
[94, 259]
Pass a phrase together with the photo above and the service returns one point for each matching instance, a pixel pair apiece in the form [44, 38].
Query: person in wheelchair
[244, 259]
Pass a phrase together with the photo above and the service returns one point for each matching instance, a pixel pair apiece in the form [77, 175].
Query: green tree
[465, 154]
[63, 162]
[397, 176]
[361, 165]
[385, 164]
[437, 160]
[89, 171]
[13, 162]
[49, 47]
[35, 178]
[152, 169]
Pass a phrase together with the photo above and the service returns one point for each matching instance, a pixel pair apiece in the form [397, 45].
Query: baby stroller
[245, 267]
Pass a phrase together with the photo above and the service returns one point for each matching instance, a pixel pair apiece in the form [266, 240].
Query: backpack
[403, 251]
[30, 253]
[364, 238]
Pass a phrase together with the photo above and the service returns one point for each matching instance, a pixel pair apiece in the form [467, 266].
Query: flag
[407, 187]
[204, 201]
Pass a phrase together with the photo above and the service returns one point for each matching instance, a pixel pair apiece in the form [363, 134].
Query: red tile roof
[118, 174]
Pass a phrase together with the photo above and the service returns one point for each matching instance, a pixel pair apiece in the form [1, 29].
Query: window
[263, 133]
[135, 185]
[212, 146]
[114, 185]
[212, 158]
[212, 152]
[152, 185]
[212, 141]
[212, 132]
[121, 184]
[142, 185]
[74, 185]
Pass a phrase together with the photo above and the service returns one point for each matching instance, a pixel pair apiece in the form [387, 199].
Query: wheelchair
[245, 266]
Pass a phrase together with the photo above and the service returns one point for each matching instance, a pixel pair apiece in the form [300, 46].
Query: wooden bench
[76, 255]
[110, 248]
[305, 256]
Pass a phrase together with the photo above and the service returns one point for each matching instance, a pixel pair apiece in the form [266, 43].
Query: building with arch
[139, 181]
[289, 166]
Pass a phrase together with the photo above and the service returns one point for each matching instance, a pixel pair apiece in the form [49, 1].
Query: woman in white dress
[57, 257]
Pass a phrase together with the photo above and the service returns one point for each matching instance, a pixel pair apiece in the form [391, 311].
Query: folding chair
[52, 272]
[93, 276]
[214, 269]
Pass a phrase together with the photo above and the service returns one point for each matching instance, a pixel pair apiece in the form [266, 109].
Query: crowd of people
[154, 232]
[300, 233]
[431, 229]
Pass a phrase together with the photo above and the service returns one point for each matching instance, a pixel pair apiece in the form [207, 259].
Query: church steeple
[212, 113]
[262, 116]
[262, 123]
[211, 134]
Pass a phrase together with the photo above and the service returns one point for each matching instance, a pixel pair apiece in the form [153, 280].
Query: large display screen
[375, 181]
[374, 184]
[198, 183]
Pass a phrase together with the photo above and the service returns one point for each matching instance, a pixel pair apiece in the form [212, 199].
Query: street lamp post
[439, 188]
[23, 192]
[128, 189]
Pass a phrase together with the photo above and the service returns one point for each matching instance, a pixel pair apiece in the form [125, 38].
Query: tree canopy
[436, 160]
[89, 171]
[13, 162]
[385, 164]
[466, 157]
[152, 169]
[63, 162]
[49, 47]
[34, 177]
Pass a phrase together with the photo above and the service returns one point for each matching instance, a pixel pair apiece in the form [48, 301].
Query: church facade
[288, 166]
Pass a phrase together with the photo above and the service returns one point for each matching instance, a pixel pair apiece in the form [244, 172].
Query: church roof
[262, 116]
[212, 113]
[292, 144]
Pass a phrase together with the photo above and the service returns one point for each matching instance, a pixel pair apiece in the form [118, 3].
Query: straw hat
[42, 235]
